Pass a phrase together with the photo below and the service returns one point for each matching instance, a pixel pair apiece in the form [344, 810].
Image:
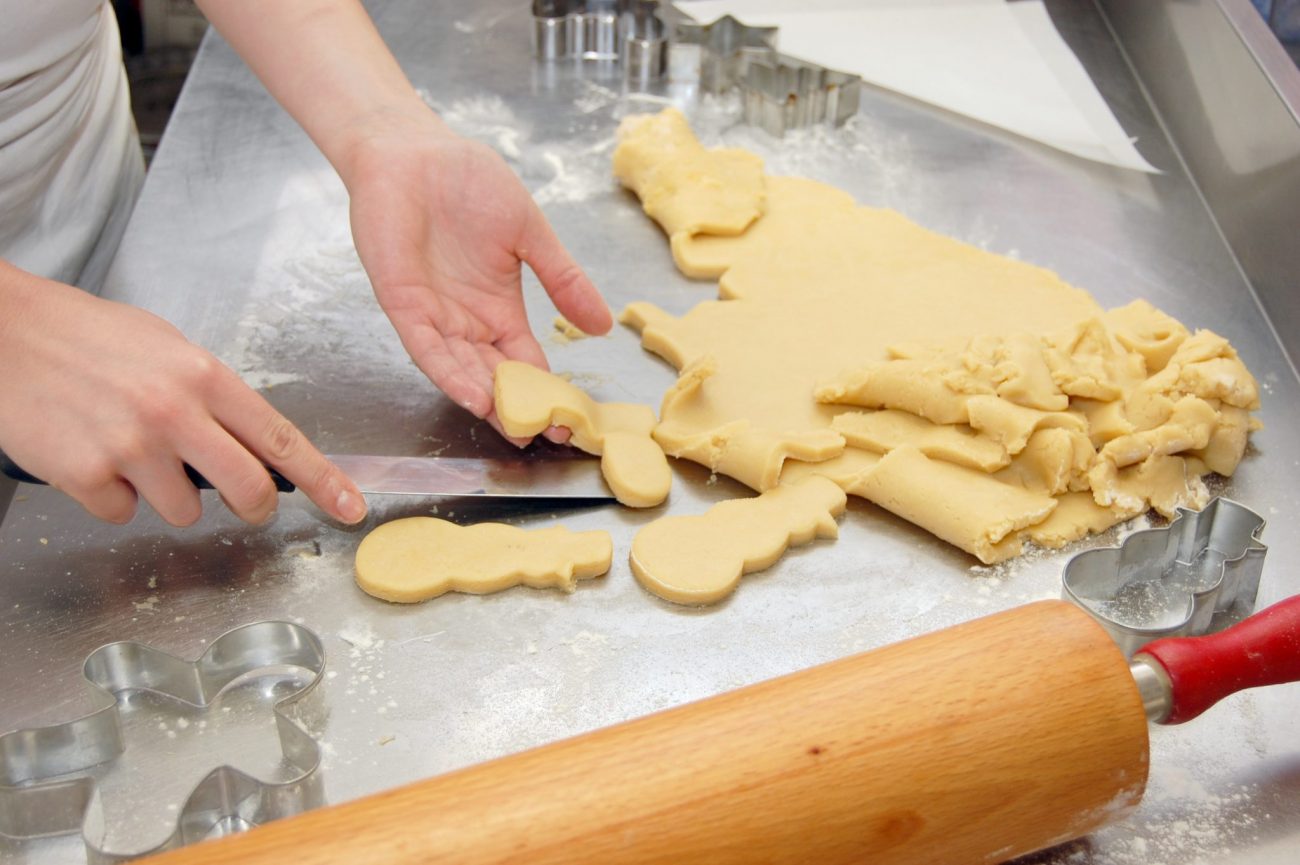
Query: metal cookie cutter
[47, 786]
[1172, 581]
[781, 93]
[726, 48]
[585, 29]
[629, 31]
[645, 43]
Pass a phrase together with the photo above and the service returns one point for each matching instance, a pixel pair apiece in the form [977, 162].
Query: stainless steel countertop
[241, 239]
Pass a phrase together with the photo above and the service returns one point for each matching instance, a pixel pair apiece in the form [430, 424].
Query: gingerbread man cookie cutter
[1178, 580]
[44, 786]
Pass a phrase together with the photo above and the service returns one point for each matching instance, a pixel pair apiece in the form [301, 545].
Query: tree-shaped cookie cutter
[1175, 580]
[41, 795]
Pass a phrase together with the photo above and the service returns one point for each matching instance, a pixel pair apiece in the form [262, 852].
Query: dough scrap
[528, 400]
[700, 559]
[417, 558]
[824, 303]
[967, 508]
[882, 431]
[1107, 441]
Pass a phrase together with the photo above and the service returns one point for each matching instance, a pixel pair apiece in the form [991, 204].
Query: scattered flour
[576, 174]
[594, 97]
[484, 118]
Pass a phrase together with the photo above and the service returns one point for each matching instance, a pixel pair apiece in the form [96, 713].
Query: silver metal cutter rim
[1223, 526]
[225, 800]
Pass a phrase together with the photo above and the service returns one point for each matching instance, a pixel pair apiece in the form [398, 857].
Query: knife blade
[549, 478]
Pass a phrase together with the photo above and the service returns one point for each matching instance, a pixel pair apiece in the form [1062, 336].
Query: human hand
[108, 403]
[443, 227]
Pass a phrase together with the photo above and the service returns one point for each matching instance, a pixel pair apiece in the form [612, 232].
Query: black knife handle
[11, 469]
[282, 484]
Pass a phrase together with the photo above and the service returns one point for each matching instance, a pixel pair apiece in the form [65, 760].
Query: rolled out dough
[528, 400]
[700, 559]
[418, 558]
[1036, 413]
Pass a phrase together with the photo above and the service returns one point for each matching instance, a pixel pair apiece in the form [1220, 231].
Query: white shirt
[70, 164]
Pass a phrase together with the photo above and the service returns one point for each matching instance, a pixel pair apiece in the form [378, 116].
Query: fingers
[495, 422]
[268, 436]
[240, 478]
[163, 485]
[523, 346]
[471, 389]
[557, 434]
[570, 290]
[113, 500]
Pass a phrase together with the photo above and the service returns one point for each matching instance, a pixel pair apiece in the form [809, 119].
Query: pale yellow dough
[528, 400]
[687, 189]
[1009, 405]
[700, 559]
[418, 558]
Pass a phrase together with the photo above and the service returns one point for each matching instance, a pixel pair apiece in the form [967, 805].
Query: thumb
[570, 290]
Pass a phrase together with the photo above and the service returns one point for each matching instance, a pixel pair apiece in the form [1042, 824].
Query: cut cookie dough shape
[417, 558]
[700, 559]
[528, 400]
[683, 186]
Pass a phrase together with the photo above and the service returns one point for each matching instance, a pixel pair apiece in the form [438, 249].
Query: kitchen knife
[543, 478]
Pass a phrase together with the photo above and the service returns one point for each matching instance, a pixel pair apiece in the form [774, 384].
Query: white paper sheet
[1000, 63]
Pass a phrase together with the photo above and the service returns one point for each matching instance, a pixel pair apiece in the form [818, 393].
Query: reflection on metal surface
[53, 778]
[1231, 97]
[8, 487]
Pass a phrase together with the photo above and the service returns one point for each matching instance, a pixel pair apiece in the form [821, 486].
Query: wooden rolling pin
[974, 744]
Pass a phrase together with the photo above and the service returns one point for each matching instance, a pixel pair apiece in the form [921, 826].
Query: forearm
[325, 62]
[20, 295]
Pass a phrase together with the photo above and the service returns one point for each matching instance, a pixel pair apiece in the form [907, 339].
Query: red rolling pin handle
[1261, 650]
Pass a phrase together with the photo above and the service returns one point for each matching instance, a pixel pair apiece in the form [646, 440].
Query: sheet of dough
[805, 308]
[852, 304]
[417, 558]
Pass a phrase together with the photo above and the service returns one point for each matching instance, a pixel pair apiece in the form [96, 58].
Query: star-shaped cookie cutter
[1175, 580]
[39, 799]
[726, 48]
